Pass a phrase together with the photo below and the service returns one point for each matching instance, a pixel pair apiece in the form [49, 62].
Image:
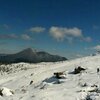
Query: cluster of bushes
[5, 69]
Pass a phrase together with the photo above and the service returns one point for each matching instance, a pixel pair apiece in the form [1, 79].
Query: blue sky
[70, 28]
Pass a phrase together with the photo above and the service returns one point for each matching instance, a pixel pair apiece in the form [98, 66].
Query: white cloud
[88, 39]
[8, 36]
[60, 33]
[97, 48]
[14, 36]
[25, 37]
[37, 29]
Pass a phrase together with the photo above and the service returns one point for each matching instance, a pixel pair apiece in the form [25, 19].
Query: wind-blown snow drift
[45, 86]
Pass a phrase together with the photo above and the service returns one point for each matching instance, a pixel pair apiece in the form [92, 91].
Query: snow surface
[45, 86]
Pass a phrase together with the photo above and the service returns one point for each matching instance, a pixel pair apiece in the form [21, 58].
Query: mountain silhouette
[31, 56]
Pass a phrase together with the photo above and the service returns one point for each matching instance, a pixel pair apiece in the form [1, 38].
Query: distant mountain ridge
[28, 55]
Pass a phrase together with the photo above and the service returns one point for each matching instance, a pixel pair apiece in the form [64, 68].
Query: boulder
[6, 92]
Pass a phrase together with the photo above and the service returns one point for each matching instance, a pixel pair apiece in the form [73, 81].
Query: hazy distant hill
[28, 55]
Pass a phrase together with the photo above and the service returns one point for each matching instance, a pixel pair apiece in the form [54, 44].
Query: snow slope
[45, 86]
